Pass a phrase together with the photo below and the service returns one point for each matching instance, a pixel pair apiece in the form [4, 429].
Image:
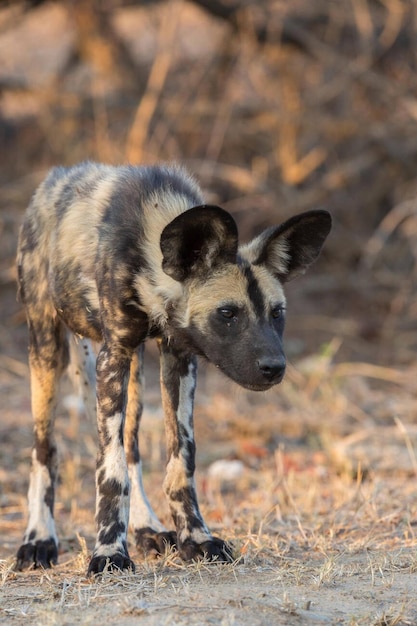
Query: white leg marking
[40, 518]
[82, 371]
[141, 512]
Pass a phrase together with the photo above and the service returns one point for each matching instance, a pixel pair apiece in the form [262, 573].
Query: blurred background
[277, 107]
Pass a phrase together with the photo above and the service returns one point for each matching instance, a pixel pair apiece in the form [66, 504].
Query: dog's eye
[227, 312]
[277, 312]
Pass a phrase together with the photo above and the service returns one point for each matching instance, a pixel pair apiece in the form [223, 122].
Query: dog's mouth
[257, 383]
[252, 387]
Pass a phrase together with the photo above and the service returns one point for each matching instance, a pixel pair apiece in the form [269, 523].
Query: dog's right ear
[289, 249]
[197, 240]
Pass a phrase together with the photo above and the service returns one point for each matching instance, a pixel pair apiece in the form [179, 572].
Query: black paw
[114, 562]
[41, 553]
[152, 543]
[213, 549]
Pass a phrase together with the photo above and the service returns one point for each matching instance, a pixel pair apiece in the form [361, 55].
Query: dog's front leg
[178, 380]
[112, 482]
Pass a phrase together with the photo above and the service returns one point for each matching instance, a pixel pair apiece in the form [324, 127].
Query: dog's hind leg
[150, 535]
[178, 380]
[82, 371]
[48, 357]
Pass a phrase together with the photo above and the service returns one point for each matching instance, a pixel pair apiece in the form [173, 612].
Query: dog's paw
[110, 562]
[40, 553]
[153, 543]
[214, 549]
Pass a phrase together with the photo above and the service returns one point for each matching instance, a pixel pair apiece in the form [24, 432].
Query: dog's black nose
[272, 368]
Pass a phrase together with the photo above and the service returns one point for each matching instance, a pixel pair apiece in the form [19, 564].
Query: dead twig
[403, 211]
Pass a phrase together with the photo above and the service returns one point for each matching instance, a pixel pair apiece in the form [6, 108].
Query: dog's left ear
[197, 240]
[289, 249]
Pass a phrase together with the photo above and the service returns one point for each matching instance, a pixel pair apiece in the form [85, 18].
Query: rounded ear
[289, 249]
[197, 240]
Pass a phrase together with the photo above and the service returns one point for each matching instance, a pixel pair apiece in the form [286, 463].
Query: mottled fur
[116, 255]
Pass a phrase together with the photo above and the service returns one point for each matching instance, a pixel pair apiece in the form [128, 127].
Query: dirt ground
[277, 107]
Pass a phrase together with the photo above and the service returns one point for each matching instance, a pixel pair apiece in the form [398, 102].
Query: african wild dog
[119, 254]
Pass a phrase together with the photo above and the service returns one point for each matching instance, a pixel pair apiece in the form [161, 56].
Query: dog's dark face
[234, 310]
[236, 320]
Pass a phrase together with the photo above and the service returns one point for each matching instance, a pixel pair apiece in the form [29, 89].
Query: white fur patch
[278, 252]
[141, 512]
[114, 464]
[82, 371]
[40, 518]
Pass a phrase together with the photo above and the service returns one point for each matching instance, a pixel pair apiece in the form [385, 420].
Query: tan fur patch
[43, 383]
[78, 231]
[229, 286]
[226, 286]
[158, 212]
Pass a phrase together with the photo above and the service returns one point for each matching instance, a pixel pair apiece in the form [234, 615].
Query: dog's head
[234, 312]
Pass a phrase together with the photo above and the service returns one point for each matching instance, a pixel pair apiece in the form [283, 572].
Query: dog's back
[91, 223]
